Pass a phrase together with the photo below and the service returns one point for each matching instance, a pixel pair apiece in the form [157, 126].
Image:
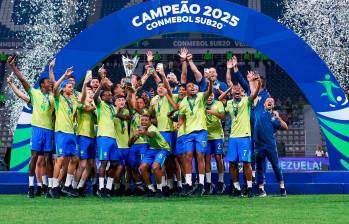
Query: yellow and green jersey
[86, 123]
[105, 119]
[157, 142]
[214, 124]
[181, 129]
[194, 110]
[136, 124]
[121, 127]
[240, 117]
[43, 108]
[65, 110]
[76, 94]
[162, 106]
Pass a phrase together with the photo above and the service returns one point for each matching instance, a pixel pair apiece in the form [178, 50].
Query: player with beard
[94, 84]
[193, 116]
[215, 115]
[42, 124]
[155, 157]
[86, 136]
[239, 149]
[265, 127]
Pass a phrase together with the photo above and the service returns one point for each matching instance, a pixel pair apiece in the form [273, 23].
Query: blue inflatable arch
[233, 21]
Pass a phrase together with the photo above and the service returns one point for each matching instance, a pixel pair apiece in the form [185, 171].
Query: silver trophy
[129, 66]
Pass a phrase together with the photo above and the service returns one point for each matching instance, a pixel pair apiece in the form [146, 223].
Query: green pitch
[293, 209]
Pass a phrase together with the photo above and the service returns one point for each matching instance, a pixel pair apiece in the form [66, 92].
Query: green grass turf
[212, 209]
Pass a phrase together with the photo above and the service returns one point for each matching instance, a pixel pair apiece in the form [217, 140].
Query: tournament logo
[335, 124]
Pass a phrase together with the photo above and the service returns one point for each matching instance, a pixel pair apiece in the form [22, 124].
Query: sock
[208, 178]
[237, 186]
[81, 183]
[261, 187]
[249, 184]
[282, 185]
[174, 178]
[139, 184]
[110, 182]
[31, 181]
[163, 181]
[39, 184]
[221, 177]
[101, 183]
[50, 182]
[188, 179]
[74, 184]
[170, 183]
[159, 187]
[151, 187]
[117, 186]
[127, 186]
[201, 179]
[94, 181]
[253, 173]
[55, 182]
[44, 180]
[179, 184]
[68, 180]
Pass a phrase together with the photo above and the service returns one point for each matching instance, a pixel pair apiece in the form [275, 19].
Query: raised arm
[230, 66]
[209, 91]
[17, 91]
[282, 122]
[131, 97]
[161, 71]
[156, 77]
[224, 95]
[96, 96]
[51, 73]
[11, 62]
[233, 65]
[66, 75]
[255, 92]
[195, 70]
[150, 58]
[184, 74]
[87, 80]
[146, 74]
[172, 102]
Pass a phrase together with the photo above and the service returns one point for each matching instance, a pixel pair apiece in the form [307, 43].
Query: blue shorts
[155, 156]
[179, 146]
[136, 155]
[196, 141]
[239, 149]
[65, 144]
[123, 156]
[170, 138]
[86, 147]
[107, 148]
[215, 147]
[41, 140]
